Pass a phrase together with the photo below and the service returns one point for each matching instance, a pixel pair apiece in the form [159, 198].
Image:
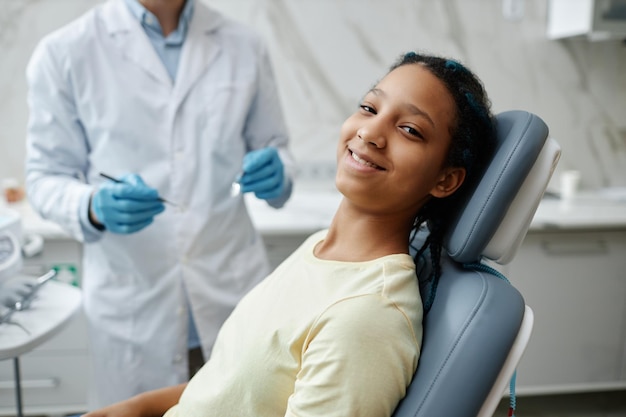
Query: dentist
[175, 100]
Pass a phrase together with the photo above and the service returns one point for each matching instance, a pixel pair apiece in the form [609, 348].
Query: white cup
[569, 184]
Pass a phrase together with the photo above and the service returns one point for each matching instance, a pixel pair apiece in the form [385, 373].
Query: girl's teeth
[363, 161]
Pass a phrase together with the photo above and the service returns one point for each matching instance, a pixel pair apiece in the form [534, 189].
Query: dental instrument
[24, 303]
[235, 187]
[121, 182]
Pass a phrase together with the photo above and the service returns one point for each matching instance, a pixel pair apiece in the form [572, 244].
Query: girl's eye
[413, 132]
[367, 108]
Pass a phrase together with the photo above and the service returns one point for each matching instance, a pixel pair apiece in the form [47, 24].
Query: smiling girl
[336, 329]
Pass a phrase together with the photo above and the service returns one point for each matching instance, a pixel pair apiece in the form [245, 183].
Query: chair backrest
[469, 352]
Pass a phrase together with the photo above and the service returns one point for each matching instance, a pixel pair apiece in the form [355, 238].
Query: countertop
[602, 209]
[310, 210]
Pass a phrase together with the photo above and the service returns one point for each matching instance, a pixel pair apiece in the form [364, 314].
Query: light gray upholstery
[521, 137]
[475, 315]
[467, 336]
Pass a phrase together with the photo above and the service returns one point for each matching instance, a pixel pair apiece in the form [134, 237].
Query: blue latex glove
[263, 174]
[127, 206]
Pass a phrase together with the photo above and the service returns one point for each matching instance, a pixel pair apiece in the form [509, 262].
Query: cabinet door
[576, 285]
[52, 383]
[53, 376]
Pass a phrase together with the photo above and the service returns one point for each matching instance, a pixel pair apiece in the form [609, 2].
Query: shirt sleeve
[56, 147]
[359, 359]
[265, 124]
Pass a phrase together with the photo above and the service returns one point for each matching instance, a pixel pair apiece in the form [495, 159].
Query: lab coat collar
[149, 21]
[131, 41]
[198, 50]
[119, 19]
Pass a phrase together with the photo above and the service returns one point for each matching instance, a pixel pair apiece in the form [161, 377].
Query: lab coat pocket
[225, 112]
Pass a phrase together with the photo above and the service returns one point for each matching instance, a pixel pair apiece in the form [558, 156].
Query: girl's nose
[372, 136]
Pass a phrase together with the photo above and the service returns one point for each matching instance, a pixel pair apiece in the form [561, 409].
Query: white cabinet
[54, 375]
[575, 282]
[597, 19]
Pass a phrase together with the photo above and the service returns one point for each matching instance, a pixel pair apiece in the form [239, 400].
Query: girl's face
[392, 150]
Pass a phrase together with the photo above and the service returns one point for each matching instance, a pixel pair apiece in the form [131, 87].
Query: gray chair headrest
[493, 220]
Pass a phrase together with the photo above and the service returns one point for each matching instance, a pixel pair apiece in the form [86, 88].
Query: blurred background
[327, 53]
[564, 60]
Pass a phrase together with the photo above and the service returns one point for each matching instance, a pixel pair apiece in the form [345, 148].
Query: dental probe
[121, 182]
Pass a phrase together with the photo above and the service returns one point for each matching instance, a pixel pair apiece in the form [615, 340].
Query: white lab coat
[102, 101]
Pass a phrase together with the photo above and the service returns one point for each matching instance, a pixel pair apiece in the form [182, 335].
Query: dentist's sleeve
[56, 146]
[266, 125]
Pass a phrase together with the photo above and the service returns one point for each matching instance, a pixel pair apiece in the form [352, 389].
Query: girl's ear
[449, 181]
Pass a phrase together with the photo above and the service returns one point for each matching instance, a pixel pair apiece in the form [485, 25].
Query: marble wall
[327, 53]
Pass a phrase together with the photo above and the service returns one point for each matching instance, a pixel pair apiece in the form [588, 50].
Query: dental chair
[478, 324]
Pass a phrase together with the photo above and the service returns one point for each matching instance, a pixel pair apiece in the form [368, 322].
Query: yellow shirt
[315, 338]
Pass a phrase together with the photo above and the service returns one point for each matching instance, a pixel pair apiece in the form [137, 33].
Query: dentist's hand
[125, 207]
[263, 174]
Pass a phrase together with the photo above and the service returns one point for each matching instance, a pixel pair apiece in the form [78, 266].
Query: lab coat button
[180, 311]
[178, 358]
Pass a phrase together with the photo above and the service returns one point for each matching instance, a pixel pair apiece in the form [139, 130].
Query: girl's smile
[363, 161]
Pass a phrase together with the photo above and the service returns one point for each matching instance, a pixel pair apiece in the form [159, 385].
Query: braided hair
[472, 143]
